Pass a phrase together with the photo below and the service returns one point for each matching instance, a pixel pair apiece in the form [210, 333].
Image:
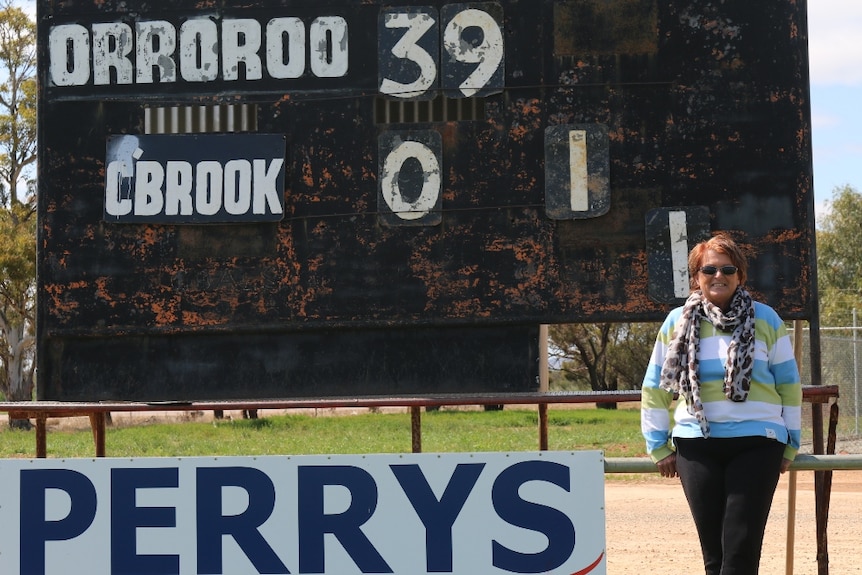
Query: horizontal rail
[98, 411]
[801, 463]
[35, 409]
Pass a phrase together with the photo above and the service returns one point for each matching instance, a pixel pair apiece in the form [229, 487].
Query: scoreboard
[425, 184]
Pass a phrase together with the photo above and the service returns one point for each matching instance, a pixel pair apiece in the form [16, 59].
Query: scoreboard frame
[611, 137]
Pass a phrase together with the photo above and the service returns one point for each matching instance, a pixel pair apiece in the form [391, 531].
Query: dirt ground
[649, 529]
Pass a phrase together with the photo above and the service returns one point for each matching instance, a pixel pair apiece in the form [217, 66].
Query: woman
[737, 424]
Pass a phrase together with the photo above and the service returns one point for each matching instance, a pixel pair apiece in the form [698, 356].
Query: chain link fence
[841, 365]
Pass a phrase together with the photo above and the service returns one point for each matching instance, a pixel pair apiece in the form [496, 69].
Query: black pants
[729, 484]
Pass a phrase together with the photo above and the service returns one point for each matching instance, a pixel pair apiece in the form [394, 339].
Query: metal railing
[801, 463]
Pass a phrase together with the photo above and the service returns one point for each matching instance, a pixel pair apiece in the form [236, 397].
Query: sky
[835, 63]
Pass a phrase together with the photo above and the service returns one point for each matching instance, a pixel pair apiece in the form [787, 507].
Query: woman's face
[717, 288]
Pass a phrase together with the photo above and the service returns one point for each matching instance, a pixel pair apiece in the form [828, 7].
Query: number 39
[472, 62]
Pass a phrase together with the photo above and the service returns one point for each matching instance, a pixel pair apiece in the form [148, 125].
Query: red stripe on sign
[589, 568]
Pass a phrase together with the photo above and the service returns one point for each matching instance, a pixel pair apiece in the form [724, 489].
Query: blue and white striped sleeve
[656, 402]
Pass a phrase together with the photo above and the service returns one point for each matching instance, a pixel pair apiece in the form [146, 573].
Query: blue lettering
[127, 517]
[553, 523]
[35, 529]
[212, 524]
[314, 523]
[438, 516]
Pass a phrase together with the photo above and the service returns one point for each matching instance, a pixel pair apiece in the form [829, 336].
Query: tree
[602, 356]
[839, 287]
[18, 96]
[839, 265]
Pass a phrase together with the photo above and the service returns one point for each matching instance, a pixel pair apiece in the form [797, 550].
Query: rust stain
[499, 244]
[472, 307]
[102, 291]
[61, 304]
[320, 228]
[532, 273]
[166, 312]
[144, 242]
[313, 265]
[787, 236]
[262, 305]
[198, 319]
[61, 258]
[288, 268]
[307, 175]
[527, 118]
[617, 134]
[326, 178]
[422, 267]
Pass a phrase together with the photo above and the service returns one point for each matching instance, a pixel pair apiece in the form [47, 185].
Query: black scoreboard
[425, 184]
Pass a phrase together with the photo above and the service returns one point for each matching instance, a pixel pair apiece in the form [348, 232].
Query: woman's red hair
[723, 244]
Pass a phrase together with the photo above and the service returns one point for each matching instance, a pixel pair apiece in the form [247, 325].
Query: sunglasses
[712, 270]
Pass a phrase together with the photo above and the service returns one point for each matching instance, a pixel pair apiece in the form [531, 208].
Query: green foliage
[839, 265]
[601, 356]
[18, 98]
[18, 130]
[17, 246]
[615, 432]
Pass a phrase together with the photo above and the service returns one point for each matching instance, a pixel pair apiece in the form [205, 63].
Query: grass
[616, 432]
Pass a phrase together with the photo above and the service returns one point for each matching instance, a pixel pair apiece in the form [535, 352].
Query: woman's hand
[667, 466]
[785, 465]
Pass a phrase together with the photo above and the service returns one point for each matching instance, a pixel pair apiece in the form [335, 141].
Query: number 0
[415, 199]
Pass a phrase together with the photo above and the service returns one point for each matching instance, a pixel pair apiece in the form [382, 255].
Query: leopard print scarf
[680, 369]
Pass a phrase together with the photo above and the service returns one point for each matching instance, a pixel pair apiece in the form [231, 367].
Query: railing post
[97, 424]
[41, 437]
[543, 426]
[416, 427]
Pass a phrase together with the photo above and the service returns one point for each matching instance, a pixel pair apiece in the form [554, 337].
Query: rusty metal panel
[311, 363]
[418, 225]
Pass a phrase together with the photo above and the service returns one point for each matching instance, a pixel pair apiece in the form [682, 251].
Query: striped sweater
[774, 405]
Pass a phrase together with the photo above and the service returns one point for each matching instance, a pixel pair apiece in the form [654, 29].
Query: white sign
[194, 178]
[459, 513]
[198, 51]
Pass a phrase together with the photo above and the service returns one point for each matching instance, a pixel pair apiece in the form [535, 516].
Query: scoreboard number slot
[468, 62]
